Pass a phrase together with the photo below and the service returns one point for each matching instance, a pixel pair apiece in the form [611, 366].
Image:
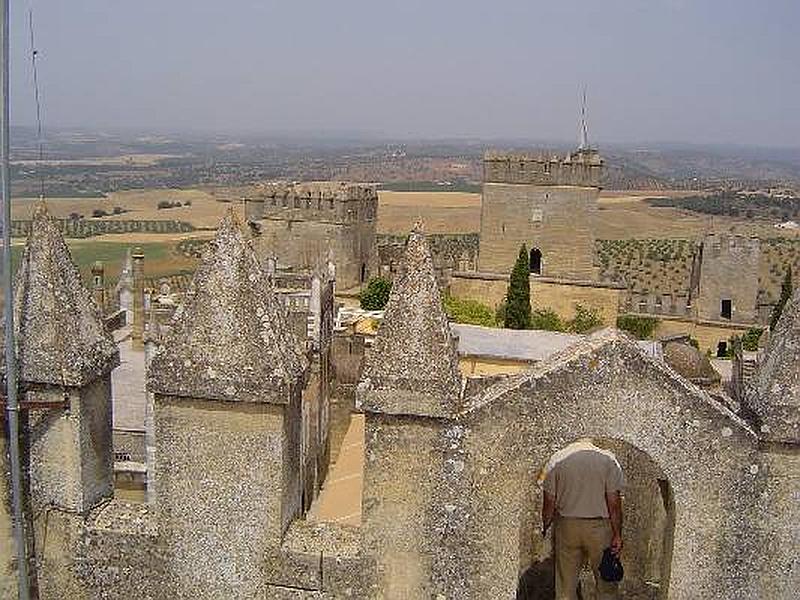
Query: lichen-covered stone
[412, 367]
[231, 339]
[776, 395]
[61, 339]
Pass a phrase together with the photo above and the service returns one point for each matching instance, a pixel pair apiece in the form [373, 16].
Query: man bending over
[582, 487]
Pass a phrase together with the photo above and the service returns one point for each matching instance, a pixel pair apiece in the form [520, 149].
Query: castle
[712, 289]
[449, 503]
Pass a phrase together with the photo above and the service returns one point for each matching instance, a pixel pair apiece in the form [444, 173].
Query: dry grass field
[442, 212]
[203, 209]
[620, 215]
[137, 160]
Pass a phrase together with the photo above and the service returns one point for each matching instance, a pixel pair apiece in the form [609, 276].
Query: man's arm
[614, 503]
[548, 510]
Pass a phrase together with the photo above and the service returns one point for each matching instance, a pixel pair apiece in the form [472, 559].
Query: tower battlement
[337, 202]
[580, 168]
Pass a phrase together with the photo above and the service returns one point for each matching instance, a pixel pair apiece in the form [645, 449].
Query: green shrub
[546, 320]
[750, 339]
[471, 312]
[585, 320]
[500, 314]
[641, 328]
[167, 204]
[376, 294]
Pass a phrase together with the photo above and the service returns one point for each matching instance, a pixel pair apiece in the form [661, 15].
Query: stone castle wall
[558, 220]
[559, 295]
[451, 252]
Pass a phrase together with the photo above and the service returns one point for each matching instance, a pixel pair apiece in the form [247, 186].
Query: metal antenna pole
[584, 130]
[12, 402]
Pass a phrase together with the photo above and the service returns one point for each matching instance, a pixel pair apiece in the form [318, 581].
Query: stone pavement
[127, 384]
[339, 500]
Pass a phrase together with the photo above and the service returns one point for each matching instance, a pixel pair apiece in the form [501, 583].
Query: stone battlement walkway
[339, 500]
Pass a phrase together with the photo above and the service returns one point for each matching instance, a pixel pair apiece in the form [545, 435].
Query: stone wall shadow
[537, 582]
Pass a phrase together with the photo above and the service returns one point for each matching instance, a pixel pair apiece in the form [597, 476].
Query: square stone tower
[545, 202]
[305, 224]
[728, 282]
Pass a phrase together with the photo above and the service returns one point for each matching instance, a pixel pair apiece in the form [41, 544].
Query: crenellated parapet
[336, 202]
[580, 168]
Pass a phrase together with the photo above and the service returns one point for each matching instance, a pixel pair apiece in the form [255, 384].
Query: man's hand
[614, 503]
[548, 511]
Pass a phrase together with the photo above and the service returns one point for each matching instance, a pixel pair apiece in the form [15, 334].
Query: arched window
[536, 261]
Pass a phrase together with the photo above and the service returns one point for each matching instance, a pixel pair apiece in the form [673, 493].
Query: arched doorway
[536, 261]
[648, 526]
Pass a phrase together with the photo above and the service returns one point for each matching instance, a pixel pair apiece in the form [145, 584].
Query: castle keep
[306, 224]
[544, 202]
[450, 499]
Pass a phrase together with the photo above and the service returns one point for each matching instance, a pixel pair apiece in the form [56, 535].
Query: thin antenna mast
[37, 100]
[584, 144]
[12, 401]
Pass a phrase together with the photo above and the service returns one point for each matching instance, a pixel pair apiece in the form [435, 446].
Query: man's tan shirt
[579, 477]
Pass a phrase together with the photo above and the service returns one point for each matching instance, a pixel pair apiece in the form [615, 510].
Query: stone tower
[65, 358]
[728, 279]
[547, 203]
[409, 391]
[305, 224]
[228, 382]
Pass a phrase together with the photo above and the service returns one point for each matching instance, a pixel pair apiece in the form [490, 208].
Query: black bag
[610, 567]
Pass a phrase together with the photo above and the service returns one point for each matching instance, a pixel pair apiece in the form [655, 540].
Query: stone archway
[535, 266]
[648, 534]
[605, 387]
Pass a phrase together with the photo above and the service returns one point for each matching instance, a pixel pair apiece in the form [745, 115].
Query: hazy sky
[705, 71]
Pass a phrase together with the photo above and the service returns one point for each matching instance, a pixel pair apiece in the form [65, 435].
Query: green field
[161, 258]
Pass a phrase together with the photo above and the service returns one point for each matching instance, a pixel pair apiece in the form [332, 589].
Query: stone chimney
[412, 367]
[137, 333]
[65, 358]
[227, 381]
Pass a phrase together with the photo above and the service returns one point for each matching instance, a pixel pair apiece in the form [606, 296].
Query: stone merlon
[231, 339]
[412, 367]
[61, 339]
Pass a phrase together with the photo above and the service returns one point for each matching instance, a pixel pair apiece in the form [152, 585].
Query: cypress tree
[518, 296]
[786, 293]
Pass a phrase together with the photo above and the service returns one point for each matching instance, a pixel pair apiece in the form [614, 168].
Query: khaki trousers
[577, 541]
